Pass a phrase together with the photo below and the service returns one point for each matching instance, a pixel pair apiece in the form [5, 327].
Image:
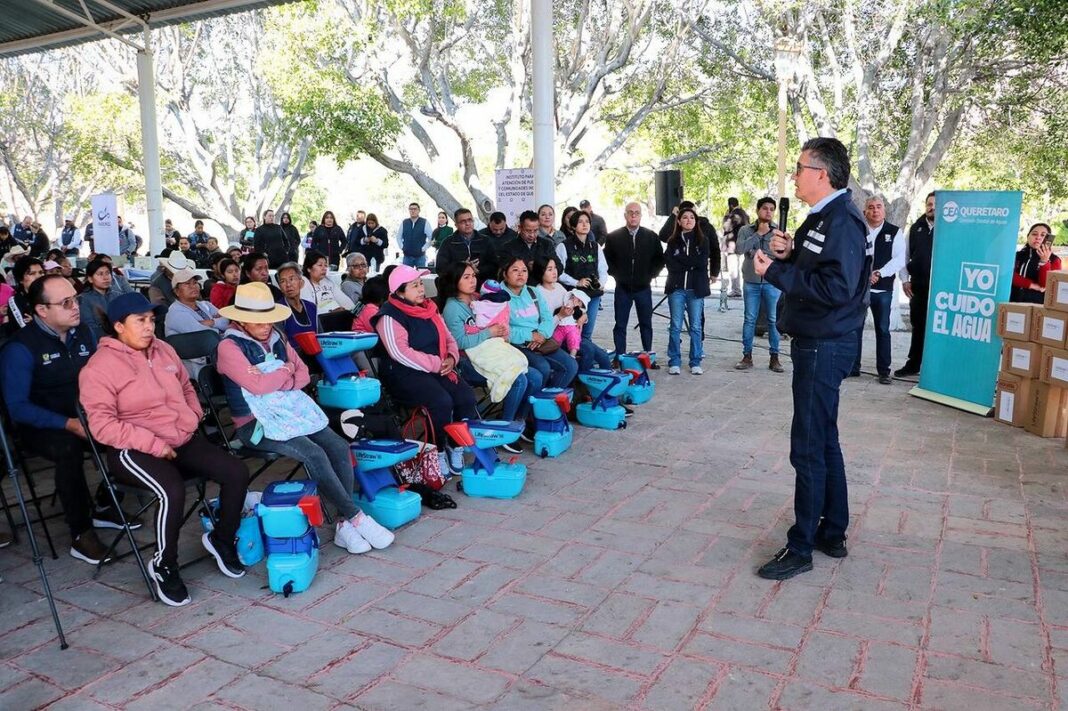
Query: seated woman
[189, 314]
[1033, 263]
[94, 300]
[250, 342]
[254, 268]
[458, 289]
[141, 405]
[321, 289]
[26, 271]
[531, 324]
[356, 276]
[375, 293]
[222, 291]
[421, 368]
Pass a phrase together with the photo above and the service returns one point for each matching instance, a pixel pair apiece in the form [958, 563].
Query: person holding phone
[1033, 263]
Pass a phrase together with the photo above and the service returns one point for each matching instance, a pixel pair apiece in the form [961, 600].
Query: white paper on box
[1062, 292]
[1053, 328]
[1014, 322]
[1005, 407]
[1059, 370]
[1021, 359]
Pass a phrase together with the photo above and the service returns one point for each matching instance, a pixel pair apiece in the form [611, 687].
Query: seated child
[568, 333]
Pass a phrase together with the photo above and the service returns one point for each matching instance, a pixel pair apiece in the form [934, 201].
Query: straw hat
[253, 303]
[175, 262]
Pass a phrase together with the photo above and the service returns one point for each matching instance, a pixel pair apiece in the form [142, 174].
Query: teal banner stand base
[950, 401]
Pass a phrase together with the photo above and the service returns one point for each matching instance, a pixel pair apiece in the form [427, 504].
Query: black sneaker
[907, 371]
[835, 549]
[786, 564]
[512, 448]
[885, 380]
[627, 410]
[654, 366]
[86, 546]
[528, 434]
[109, 518]
[225, 555]
[169, 585]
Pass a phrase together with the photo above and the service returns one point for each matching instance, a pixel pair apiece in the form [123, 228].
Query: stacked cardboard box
[1032, 387]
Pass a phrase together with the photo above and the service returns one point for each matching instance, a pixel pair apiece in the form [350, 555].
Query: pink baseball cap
[404, 274]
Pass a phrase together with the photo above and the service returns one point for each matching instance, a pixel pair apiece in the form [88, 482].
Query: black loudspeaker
[668, 190]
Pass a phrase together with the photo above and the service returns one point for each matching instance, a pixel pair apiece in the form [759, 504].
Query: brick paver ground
[622, 577]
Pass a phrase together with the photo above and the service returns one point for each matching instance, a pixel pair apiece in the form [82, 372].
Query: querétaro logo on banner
[949, 211]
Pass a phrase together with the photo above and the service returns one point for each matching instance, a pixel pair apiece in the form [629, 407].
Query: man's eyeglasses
[633, 212]
[798, 167]
[67, 304]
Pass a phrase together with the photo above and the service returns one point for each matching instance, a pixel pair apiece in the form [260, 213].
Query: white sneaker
[443, 459]
[346, 536]
[456, 460]
[696, 370]
[674, 370]
[371, 531]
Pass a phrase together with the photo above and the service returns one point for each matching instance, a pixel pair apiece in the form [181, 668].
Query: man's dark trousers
[820, 492]
[67, 452]
[881, 302]
[918, 320]
[643, 303]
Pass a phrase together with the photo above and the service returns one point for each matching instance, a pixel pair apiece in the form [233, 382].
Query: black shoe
[512, 448]
[169, 585]
[885, 380]
[786, 564]
[854, 374]
[86, 546]
[528, 433]
[836, 549]
[906, 372]
[655, 366]
[225, 555]
[109, 518]
[628, 410]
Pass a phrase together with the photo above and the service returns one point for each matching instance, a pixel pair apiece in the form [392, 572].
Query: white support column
[146, 96]
[541, 39]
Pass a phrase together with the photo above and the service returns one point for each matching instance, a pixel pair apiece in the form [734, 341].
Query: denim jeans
[820, 489]
[881, 302]
[591, 356]
[419, 261]
[516, 402]
[683, 301]
[591, 317]
[642, 299]
[754, 295]
[557, 370]
[325, 455]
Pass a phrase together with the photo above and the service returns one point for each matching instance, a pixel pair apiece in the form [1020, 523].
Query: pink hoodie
[140, 403]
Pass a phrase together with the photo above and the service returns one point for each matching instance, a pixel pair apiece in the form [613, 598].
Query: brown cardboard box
[1014, 321]
[1049, 327]
[1047, 415]
[1012, 399]
[1057, 291]
[1023, 359]
[1054, 367]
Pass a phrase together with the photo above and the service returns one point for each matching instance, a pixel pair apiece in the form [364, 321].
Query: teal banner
[971, 273]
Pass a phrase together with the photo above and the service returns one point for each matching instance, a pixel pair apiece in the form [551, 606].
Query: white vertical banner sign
[105, 224]
[515, 193]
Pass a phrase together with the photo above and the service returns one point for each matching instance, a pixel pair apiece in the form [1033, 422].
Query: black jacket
[633, 269]
[272, 240]
[921, 244]
[329, 241]
[376, 252]
[293, 238]
[715, 259]
[687, 265]
[825, 279]
[541, 250]
[487, 265]
[457, 249]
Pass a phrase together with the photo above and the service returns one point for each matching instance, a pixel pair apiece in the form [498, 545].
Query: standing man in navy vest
[70, 238]
[823, 273]
[916, 282]
[886, 245]
[40, 369]
[415, 236]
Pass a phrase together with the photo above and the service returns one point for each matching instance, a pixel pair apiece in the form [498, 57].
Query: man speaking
[823, 272]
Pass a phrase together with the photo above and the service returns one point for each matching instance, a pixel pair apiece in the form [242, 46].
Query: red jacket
[140, 400]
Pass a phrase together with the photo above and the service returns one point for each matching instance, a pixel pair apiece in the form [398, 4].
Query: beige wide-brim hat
[253, 303]
[175, 262]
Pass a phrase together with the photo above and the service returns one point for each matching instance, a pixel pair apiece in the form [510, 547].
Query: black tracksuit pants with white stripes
[166, 478]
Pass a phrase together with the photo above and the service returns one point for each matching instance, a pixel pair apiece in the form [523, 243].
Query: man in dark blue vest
[70, 238]
[823, 273]
[40, 367]
[916, 282]
[415, 235]
[886, 246]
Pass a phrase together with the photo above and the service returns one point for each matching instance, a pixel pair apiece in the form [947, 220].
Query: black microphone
[784, 212]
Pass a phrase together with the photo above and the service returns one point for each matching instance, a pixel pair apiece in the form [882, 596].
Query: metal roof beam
[89, 22]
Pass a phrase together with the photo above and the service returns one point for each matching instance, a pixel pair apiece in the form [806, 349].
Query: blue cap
[132, 303]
